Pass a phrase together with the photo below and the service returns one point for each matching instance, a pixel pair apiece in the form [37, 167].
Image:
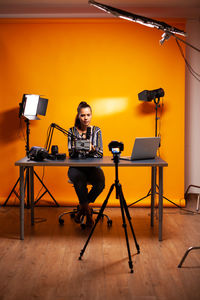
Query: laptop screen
[145, 148]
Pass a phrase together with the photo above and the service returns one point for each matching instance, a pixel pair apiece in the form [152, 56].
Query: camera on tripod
[116, 147]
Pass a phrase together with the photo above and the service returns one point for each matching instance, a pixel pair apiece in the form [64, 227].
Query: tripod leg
[125, 228]
[97, 220]
[46, 188]
[13, 189]
[36, 201]
[129, 220]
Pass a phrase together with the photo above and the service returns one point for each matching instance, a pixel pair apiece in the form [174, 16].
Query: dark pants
[84, 175]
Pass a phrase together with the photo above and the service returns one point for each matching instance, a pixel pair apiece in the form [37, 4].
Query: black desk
[92, 162]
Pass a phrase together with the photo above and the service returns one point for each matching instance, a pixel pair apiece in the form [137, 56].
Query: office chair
[186, 254]
[198, 197]
[73, 212]
[197, 209]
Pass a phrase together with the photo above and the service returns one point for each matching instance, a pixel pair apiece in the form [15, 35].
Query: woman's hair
[80, 106]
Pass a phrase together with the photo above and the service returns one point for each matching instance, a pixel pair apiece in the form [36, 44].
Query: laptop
[145, 148]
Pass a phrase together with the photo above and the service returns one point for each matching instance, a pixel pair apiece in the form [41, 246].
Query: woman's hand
[92, 148]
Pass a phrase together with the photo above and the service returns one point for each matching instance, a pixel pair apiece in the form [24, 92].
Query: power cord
[190, 68]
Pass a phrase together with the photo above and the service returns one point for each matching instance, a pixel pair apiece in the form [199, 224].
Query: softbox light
[33, 105]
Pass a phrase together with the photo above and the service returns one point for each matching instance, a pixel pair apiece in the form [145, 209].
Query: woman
[80, 176]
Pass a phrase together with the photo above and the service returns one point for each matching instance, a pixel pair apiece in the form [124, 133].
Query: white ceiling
[80, 8]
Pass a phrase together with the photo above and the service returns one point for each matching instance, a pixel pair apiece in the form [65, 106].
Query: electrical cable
[190, 68]
[22, 137]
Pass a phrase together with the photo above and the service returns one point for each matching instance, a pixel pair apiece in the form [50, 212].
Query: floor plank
[45, 265]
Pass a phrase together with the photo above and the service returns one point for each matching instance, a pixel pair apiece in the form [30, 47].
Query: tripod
[124, 213]
[27, 176]
[154, 170]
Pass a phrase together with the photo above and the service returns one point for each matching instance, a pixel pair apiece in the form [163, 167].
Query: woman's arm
[97, 143]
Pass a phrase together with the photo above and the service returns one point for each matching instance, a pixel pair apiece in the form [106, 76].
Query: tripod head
[116, 148]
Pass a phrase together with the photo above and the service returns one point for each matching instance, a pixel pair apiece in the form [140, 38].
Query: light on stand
[154, 95]
[147, 95]
[31, 106]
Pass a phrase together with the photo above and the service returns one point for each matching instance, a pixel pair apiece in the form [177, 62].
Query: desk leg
[21, 171]
[32, 194]
[153, 190]
[160, 202]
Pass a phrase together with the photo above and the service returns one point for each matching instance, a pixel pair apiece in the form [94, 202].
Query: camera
[116, 147]
[38, 153]
[82, 145]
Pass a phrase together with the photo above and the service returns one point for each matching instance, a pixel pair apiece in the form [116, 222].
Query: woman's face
[85, 116]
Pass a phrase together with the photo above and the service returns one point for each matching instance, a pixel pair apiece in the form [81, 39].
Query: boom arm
[51, 131]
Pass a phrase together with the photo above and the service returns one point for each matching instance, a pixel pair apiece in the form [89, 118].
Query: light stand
[37, 176]
[26, 170]
[154, 170]
[156, 101]
[124, 212]
[27, 176]
[42, 110]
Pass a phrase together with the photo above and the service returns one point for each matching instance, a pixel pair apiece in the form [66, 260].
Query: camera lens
[54, 149]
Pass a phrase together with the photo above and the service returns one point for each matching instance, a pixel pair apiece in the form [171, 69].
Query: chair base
[186, 254]
[73, 212]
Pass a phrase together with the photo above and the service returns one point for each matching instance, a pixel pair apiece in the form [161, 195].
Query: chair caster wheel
[72, 215]
[83, 226]
[61, 221]
[109, 222]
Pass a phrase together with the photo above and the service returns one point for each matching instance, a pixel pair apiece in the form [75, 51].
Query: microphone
[88, 133]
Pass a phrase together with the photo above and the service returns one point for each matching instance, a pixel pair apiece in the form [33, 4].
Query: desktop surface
[104, 161]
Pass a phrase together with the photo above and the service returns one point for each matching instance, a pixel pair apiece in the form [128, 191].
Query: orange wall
[107, 63]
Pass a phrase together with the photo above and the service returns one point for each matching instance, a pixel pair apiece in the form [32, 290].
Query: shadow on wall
[146, 108]
[11, 125]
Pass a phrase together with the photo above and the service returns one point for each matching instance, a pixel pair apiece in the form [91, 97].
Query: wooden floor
[45, 265]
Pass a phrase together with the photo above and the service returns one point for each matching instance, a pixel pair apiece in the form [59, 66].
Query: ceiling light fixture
[168, 29]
